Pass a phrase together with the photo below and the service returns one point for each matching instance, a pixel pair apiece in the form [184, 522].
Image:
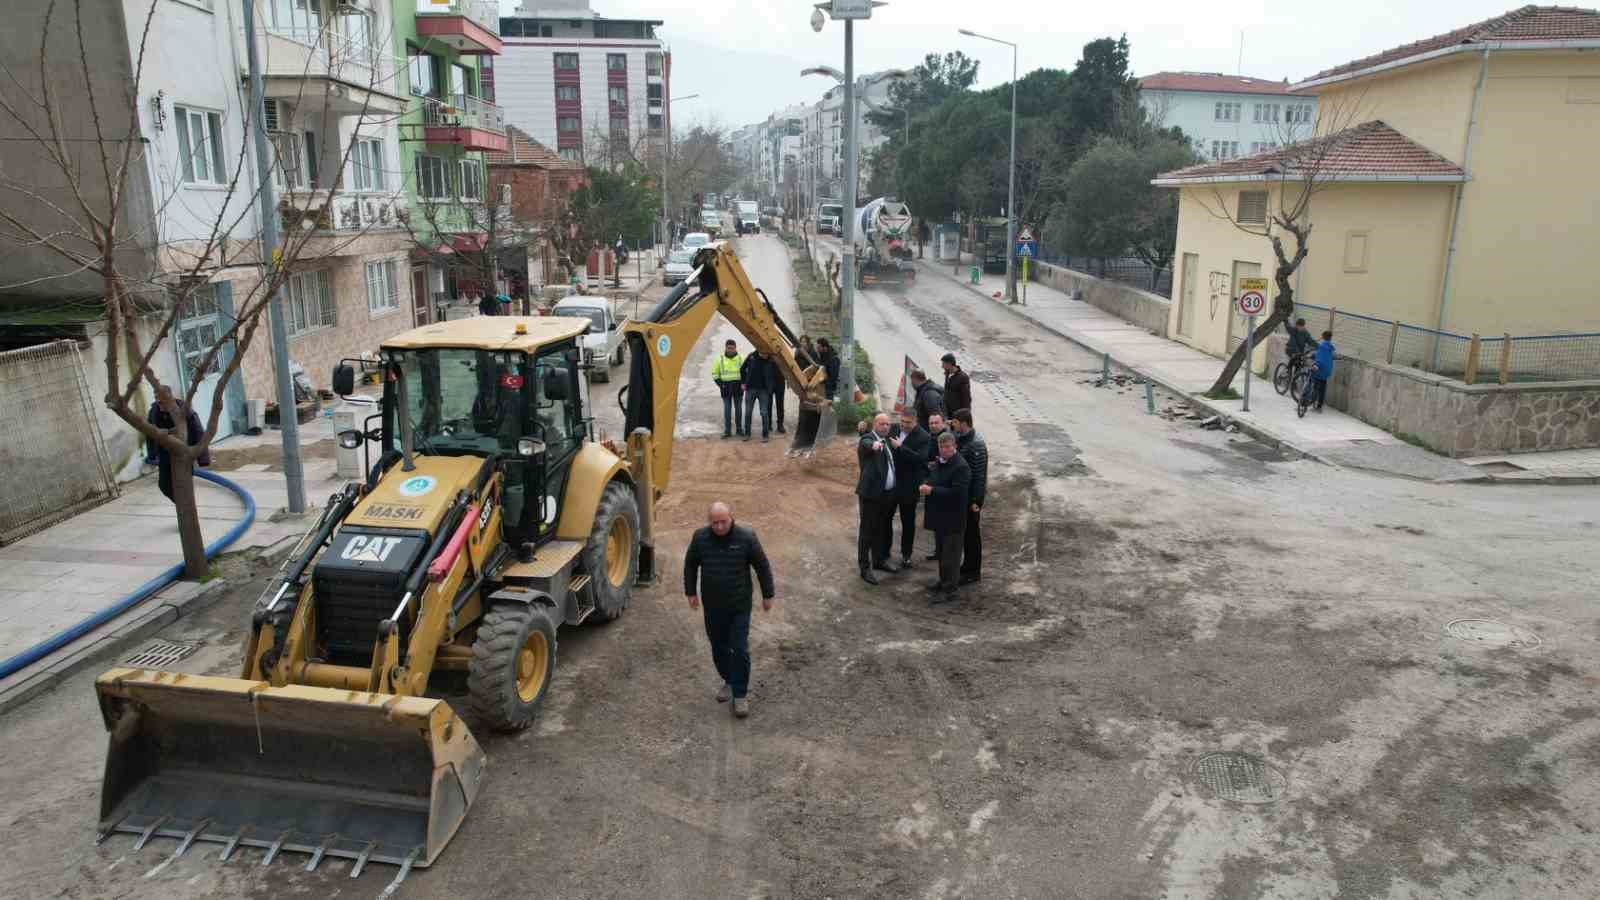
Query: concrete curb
[172, 603]
[1264, 435]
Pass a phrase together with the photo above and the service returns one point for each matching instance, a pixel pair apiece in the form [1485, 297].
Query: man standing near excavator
[725, 371]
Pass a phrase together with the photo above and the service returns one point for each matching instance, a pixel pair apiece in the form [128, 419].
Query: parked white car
[680, 265]
[603, 345]
[694, 240]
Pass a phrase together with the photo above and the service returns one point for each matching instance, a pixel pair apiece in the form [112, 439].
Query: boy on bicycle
[1300, 342]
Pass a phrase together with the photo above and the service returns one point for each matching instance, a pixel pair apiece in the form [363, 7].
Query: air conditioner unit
[351, 7]
[274, 111]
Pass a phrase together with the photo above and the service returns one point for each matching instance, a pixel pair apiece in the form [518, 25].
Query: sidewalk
[74, 569]
[1330, 436]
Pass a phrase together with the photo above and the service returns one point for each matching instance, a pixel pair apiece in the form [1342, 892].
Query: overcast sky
[743, 57]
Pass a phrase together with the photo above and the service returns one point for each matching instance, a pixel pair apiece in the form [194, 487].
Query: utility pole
[1011, 190]
[288, 421]
[847, 255]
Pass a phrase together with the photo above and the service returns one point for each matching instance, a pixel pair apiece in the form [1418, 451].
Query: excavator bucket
[813, 431]
[326, 772]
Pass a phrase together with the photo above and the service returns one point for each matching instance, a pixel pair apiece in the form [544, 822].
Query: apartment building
[593, 88]
[1227, 116]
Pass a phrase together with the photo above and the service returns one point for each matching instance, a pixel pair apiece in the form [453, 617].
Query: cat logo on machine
[364, 548]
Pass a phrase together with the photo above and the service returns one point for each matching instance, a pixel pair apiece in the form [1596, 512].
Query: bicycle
[1303, 398]
[1290, 378]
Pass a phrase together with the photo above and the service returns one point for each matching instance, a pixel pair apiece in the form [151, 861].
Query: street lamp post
[666, 156]
[1011, 190]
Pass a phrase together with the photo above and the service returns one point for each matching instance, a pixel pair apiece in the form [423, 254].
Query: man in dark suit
[976, 453]
[945, 515]
[957, 385]
[876, 491]
[911, 445]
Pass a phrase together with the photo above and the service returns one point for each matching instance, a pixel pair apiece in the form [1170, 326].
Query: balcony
[347, 213]
[471, 122]
[319, 69]
[472, 27]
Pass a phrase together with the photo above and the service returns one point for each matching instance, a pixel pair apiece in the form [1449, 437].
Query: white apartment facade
[588, 86]
[1227, 116]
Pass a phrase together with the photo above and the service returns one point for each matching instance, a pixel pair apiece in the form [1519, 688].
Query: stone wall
[1457, 419]
[1146, 310]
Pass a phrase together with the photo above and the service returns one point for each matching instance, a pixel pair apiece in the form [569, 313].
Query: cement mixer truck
[883, 242]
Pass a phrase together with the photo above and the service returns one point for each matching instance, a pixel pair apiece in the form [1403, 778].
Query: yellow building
[1466, 200]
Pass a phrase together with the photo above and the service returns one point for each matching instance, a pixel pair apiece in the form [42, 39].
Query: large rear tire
[513, 661]
[611, 556]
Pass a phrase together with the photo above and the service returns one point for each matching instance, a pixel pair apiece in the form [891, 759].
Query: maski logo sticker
[369, 549]
[417, 485]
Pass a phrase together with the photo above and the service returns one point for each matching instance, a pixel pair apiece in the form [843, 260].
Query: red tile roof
[1530, 23]
[1371, 151]
[523, 150]
[1211, 82]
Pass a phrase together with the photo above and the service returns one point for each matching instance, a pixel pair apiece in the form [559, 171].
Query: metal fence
[1469, 357]
[1129, 270]
[54, 457]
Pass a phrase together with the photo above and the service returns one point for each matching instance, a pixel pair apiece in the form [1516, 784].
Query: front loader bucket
[815, 428]
[368, 777]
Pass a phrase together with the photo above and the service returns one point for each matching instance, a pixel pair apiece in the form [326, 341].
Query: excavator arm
[659, 345]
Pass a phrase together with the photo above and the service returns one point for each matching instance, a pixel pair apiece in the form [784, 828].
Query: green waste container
[975, 274]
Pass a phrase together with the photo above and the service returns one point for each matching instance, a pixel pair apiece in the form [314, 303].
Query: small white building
[1227, 115]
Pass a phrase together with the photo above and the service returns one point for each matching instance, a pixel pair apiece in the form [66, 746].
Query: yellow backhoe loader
[493, 515]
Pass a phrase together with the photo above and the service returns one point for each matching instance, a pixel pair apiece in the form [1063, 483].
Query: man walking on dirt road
[976, 453]
[946, 493]
[716, 571]
[876, 491]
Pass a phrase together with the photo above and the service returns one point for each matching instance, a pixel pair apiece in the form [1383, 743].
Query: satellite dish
[817, 20]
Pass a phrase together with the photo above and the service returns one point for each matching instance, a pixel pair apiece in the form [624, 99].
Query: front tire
[611, 555]
[513, 660]
[1280, 379]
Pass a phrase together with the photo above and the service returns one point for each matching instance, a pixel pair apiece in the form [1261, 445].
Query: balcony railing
[463, 111]
[484, 12]
[347, 212]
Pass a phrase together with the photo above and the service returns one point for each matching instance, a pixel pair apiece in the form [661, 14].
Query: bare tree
[89, 220]
[1303, 166]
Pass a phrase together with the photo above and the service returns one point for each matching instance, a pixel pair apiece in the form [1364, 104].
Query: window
[1252, 208]
[433, 177]
[655, 122]
[618, 95]
[366, 157]
[471, 180]
[619, 127]
[200, 146]
[1224, 149]
[567, 93]
[359, 45]
[299, 20]
[653, 92]
[1355, 251]
[1228, 111]
[288, 169]
[1262, 147]
[309, 302]
[461, 81]
[1298, 113]
[567, 61]
[568, 124]
[383, 287]
[571, 153]
[1266, 112]
[616, 61]
[652, 64]
[424, 71]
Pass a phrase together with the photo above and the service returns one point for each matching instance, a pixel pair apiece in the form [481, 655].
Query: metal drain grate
[1489, 633]
[161, 653]
[1240, 777]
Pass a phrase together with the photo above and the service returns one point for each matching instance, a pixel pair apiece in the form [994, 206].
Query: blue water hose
[62, 638]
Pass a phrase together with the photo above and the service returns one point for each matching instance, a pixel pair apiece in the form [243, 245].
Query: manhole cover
[161, 653]
[1489, 633]
[1241, 777]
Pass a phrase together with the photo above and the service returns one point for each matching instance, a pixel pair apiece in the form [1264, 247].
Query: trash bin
[975, 274]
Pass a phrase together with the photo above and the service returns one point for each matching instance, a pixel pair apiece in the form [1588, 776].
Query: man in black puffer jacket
[976, 452]
[716, 569]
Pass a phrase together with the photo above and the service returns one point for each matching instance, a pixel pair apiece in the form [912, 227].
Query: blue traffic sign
[1027, 248]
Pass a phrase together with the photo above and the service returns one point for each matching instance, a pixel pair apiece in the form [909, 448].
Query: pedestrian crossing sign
[1025, 248]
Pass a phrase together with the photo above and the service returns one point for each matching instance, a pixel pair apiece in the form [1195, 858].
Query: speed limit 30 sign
[1251, 303]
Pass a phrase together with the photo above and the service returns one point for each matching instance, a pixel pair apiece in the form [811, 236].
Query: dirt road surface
[1152, 595]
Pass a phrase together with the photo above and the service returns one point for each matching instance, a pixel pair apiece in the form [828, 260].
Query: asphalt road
[1153, 595]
